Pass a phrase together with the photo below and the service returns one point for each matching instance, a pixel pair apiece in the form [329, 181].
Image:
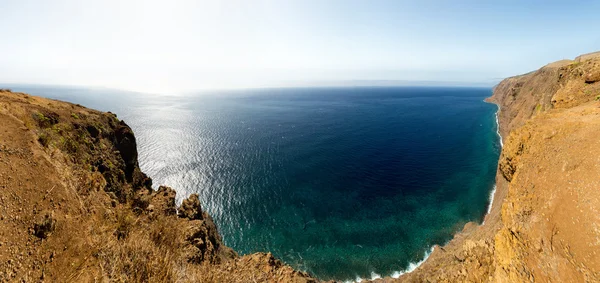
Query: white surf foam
[412, 266]
[396, 274]
[498, 127]
[493, 192]
[489, 209]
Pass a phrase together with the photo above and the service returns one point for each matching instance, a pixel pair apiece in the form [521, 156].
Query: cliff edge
[544, 225]
[75, 207]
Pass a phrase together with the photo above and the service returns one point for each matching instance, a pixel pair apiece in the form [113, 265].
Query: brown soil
[75, 207]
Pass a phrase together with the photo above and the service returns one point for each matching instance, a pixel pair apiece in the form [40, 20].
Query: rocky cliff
[75, 207]
[544, 225]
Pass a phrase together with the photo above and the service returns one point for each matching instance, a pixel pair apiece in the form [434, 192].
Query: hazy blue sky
[177, 45]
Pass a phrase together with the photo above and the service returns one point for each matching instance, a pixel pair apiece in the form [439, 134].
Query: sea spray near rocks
[396, 274]
[498, 127]
[412, 266]
[493, 192]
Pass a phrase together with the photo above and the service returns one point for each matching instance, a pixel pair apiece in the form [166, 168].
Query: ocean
[345, 183]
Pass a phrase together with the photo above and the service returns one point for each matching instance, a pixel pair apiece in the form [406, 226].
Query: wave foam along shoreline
[412, 266]
[493, 192]
[492, 195]
[498, 127]
[396, 274]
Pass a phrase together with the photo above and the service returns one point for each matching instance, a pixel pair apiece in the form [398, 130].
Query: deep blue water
[340, 182]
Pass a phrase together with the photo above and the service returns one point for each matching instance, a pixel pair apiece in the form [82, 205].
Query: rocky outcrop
[163, 201]
[592, 76]
[190, 208]
[203, 242]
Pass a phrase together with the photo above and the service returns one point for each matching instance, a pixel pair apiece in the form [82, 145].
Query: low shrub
[44, 139]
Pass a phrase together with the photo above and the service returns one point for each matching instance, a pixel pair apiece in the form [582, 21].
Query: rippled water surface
[340, 182]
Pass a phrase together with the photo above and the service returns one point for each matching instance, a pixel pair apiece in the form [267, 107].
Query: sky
[170, 46]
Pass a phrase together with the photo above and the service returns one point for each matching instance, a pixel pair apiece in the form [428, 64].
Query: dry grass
[142, 250]
[136, 259]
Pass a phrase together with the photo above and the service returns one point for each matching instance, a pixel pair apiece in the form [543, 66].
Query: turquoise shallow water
[340, 182]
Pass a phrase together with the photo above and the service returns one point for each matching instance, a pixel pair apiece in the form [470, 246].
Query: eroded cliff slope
[544, 225]
[75, 207]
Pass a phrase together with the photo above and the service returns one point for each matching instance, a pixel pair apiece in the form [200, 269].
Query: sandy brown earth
[75, 207]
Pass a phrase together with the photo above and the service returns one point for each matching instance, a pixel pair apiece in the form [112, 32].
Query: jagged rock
[45, 225]
[141, 180]
[203, 242]
[142, 199]
[126, 144]
[198, 246]
[190, 208]
[512, 152]
[94, 132]
[151, 211]
[163, 201]
[46, 118]
[592, 77]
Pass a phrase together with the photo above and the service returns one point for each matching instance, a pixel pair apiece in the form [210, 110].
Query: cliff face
[550, 218]
[75, 207]
[544, 225]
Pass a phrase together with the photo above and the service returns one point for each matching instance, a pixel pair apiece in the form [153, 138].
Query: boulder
[592, 77]
[163, 201]
[190, 208]
[203, 242]
[126, 144]
[45, 225]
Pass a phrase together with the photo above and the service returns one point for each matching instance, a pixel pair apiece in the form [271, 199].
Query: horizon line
[281, 85]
